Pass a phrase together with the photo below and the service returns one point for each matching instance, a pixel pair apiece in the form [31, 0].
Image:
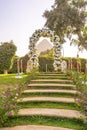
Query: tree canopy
[68, 18]
[7, 52]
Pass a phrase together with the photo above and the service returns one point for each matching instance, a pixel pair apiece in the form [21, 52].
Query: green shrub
[43, 61]
[8, 103]
[81, 87]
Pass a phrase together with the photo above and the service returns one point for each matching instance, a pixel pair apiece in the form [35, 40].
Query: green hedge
[43, 60]
[81, 62]
[24, 64]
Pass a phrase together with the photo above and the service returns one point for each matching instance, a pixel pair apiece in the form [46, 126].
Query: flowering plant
[44, 32]
[81, 98]
[8, 103]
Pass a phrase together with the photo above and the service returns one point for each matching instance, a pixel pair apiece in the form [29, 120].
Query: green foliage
[48, 53]
[46, 58]
[14, 67]
[8, 103]
[32, 75]
[11, 79]
[81, 62]
[81, 98]
[68, 17]
[43, 61]
[24, 64]
[10, 94]
[74, 123]
[46, 104]
[7, 52]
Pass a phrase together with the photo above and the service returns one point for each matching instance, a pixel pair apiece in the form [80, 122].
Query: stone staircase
[34, 127]
[48, 83]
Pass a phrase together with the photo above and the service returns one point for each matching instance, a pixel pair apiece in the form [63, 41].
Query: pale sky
[20, 18]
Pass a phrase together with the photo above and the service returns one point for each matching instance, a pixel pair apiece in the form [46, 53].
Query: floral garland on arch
[33, 61]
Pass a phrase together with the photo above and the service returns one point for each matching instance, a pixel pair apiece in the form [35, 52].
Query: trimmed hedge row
[45, 61]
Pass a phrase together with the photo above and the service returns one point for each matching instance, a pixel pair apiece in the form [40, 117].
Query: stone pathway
[51, 84]
[51, 80]
[51, 99]
[42, 76]
[50, 112]
[52, 74]
[50, 91]
[34, 127]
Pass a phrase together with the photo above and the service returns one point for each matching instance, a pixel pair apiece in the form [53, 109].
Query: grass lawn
[37, 94]
[73, 123]
[11, 80]
[46, 104]
[51, 87]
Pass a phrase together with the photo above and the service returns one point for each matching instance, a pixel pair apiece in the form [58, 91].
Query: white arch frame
[33, 57]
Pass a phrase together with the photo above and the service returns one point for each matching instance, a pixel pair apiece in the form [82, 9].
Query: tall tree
[68, 18]
[7, 52]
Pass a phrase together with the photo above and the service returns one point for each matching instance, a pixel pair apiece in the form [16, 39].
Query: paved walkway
[53, 99]
[34, 127]
[52, 74]
[50, 91]
[51, 80]
[51, 84]
[50, 112]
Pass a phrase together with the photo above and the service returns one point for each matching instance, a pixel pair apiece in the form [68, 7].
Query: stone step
[34, 127]
[52, 76]
[46, 74]
[51, 84]
[50, 91]
[52, 80]
[51, 99]
[50, 112]
[52, 73]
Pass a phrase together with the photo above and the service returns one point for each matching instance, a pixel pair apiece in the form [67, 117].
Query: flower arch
[33, 56]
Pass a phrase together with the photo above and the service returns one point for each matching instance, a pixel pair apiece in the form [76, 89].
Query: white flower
[15, 97]
[17, 94]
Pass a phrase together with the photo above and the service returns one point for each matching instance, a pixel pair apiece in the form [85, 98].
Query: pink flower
[6, 106]
[86, 116]
[9, 113]
[85, 106]
[79, 100]
[7, 94]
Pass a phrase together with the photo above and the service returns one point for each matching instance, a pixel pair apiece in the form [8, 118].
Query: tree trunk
[5, 72]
